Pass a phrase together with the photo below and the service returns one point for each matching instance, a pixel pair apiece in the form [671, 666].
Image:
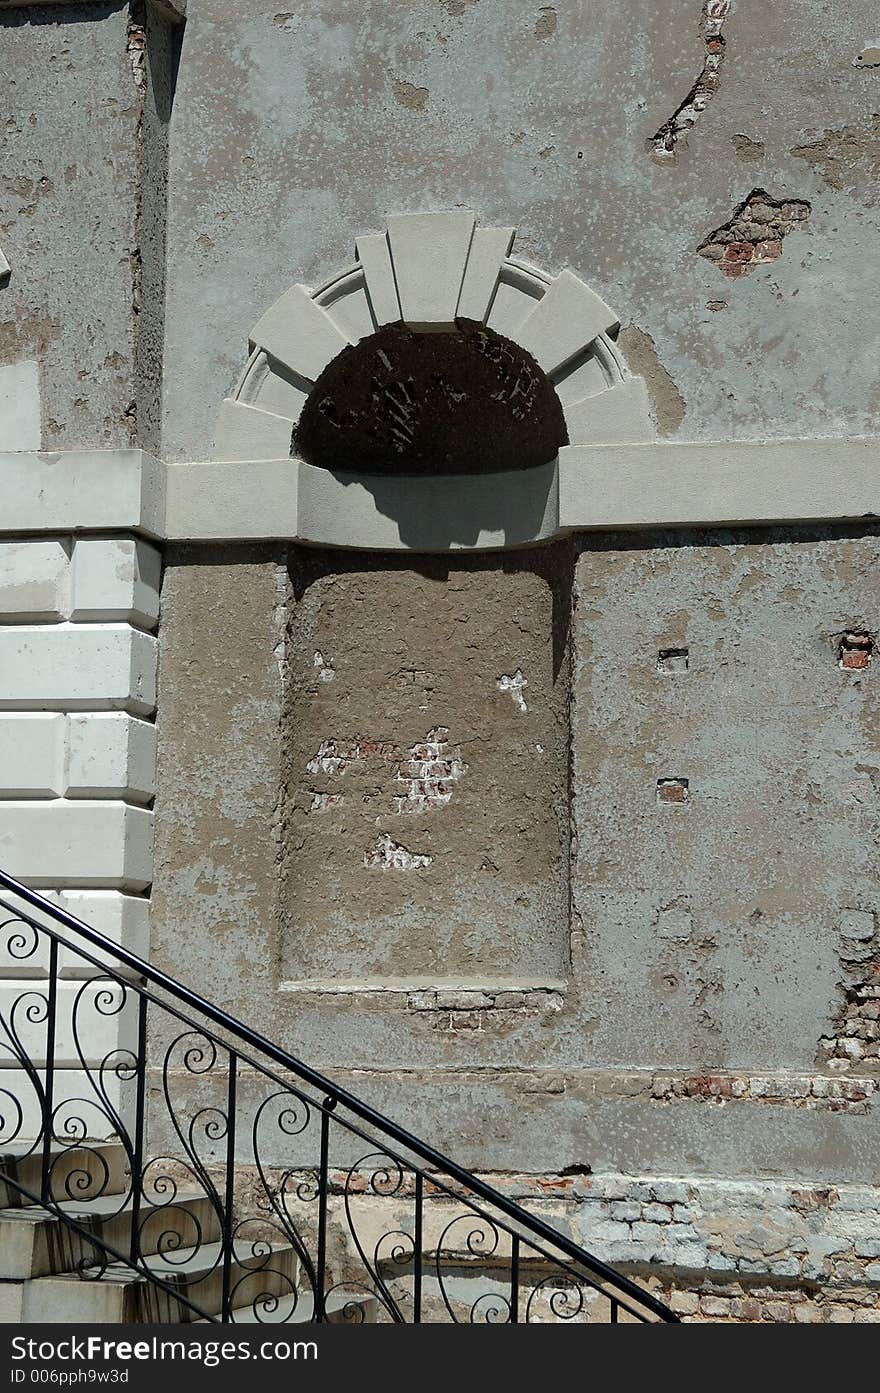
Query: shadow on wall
[508, 509]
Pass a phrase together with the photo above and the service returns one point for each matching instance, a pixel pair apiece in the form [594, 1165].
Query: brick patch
[753, 236]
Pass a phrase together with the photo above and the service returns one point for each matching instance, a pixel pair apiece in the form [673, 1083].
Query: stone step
[83, 1171]
[35, 1242]
[123, 1297]
[356, 1308]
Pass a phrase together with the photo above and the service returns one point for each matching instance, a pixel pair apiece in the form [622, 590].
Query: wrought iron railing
[253, 1187]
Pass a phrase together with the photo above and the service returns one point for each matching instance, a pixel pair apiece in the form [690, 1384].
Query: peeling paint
[847, 158]
[667, 403]
[545, 24]
[408, 95]
[663, 144]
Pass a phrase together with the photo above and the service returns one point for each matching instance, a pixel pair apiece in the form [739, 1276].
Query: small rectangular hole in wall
[672, 790]
[855, 651]
[672, 660]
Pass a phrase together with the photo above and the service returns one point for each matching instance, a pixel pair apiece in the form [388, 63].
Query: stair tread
[189, 1261]
[20, 1150]
[286, 1314]
[101, 1207]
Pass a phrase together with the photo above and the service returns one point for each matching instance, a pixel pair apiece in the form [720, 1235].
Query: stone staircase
[50, 1271]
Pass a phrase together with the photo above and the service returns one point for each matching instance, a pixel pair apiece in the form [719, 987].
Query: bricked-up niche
[855, 650]
[685, 117]
[854, 1037]
[404, 402]
[753, 236]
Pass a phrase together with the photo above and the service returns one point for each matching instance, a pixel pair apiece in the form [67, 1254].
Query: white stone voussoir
[299, 333]
[564, 322]
[250, 432]
[430, 252]
[116, 579]
[374, 254]
[105, 845]
[620, 414]
[489, 247]
[78, 667]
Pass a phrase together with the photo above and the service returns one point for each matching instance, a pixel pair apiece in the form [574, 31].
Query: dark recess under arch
[404, 402]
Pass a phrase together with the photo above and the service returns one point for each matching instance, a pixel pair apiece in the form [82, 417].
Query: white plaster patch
[5, 268]
[326, 671]
[388, 855]
[514, 684]
[20, 406]
[325, 802]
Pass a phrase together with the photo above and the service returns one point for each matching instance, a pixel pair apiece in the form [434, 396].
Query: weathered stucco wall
[426, 771]
[720, 946]
[320, 120]
[69, 176]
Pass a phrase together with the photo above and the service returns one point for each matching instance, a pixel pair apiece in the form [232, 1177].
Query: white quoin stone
[95, 844]
[248, 432]
[124, 919]
[430, 252]
[33, 581]
[299, 333]
[74, 1097]
[20, 413]
[489, 247]
[76, 667]
[72, 490]
[564, 322]
[116, 579]
[105, 1020]
[374, 255]
[619, 415]
[111, 756]
[31, 755]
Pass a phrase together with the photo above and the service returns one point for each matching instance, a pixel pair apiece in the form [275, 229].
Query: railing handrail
[355, 1105]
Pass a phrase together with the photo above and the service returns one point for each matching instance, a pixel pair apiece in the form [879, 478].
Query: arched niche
[429, 274]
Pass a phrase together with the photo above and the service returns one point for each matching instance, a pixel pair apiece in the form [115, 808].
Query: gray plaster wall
[298, 127]
[68, 175]
[708, 940]
[712, 930]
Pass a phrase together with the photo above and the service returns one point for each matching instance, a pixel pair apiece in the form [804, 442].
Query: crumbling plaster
[588, 96]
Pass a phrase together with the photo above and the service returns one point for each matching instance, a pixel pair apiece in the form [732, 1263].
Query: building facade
[439, 581]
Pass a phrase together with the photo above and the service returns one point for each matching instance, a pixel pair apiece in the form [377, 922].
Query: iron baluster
[229, 1197]
[321, 1273]
[49, 1082]
[137, 1158]
[514, 1280]
[417, 1251]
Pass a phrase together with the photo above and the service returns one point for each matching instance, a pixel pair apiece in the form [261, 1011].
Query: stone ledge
[590, 488]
